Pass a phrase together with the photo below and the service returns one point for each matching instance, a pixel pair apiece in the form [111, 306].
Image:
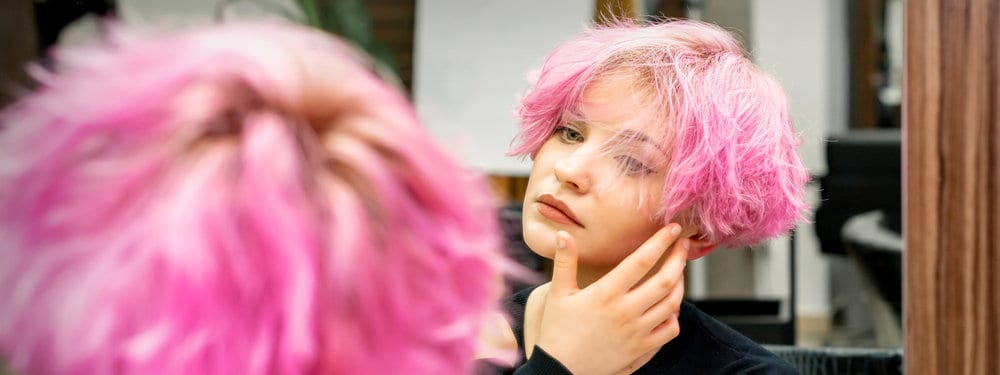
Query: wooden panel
[865, 15]
[392, 27]
[952, 180]
[614, 9]
[20, 46]
[509, 188]
[673, 8]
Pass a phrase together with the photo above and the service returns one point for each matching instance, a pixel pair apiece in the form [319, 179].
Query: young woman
[651, 145]
[237, 199]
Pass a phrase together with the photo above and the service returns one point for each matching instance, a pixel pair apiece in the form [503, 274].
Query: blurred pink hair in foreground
[243, 199]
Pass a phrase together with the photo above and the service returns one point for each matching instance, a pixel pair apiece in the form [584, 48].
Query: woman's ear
[700, 246]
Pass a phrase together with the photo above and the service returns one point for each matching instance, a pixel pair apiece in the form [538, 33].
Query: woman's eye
[633, 166]
[569, 135]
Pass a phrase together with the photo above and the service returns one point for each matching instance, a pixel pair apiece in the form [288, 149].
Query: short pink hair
[734, 169]
[242, 199]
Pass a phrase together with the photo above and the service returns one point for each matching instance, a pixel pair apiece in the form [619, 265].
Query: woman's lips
[557, 211]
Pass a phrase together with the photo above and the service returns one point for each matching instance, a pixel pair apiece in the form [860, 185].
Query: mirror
[840, 63]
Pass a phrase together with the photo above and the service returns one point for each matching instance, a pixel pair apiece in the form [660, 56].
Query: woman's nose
[573, 171]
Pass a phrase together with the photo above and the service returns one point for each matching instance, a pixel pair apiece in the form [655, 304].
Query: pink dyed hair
[731, 147]
[241, 199]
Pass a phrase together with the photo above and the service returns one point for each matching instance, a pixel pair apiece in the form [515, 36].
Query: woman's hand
[620, 321]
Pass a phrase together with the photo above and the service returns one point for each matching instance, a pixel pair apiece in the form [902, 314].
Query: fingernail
[686, 243]
[560, 242]
[676, 230]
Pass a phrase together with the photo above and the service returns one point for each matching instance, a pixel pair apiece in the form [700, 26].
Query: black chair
[863, 174]
[877, 251]
[837, 361]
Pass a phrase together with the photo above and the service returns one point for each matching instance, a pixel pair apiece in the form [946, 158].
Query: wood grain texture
[952, 182]
[673, 8]
[392, 26]
[19, 41]
[864, 54]
[614, 9]
[509, 189]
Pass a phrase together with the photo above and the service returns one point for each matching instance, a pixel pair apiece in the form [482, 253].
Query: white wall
[470, 63]
[176, 14]
[804, 44]
[180, 13]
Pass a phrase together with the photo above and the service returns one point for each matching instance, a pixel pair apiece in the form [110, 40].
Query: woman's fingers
[605, 317]
[664, 280]
[634, 267]
[564, 265]
[664, 308]
[663, 317]
[665, 332]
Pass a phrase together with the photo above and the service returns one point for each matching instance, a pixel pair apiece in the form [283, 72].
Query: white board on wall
[471, 60]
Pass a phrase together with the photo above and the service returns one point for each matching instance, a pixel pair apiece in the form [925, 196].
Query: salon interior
[828, 296]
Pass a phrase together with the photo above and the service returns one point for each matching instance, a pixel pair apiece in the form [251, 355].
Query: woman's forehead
[619, 107]
[618, 88]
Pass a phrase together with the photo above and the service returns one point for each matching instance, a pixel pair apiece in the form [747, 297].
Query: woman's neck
[586, 275]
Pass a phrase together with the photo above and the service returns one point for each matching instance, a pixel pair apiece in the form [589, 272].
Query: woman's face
[599, 178]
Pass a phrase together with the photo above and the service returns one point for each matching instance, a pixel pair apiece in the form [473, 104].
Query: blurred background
[835, 282]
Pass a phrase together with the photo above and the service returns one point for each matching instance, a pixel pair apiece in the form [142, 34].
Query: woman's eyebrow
[635, 136]
[579, 125]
